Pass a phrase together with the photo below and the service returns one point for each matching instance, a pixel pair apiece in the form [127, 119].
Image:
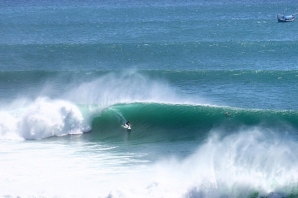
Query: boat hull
[283, 18]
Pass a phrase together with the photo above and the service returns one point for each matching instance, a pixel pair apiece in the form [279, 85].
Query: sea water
[210, 89]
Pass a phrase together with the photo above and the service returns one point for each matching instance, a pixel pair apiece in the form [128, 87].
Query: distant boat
[285, 18]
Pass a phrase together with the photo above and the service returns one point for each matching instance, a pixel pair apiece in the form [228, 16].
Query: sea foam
[40, 119]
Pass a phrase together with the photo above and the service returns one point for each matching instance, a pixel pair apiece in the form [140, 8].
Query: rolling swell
[174, 122]
[148, 55]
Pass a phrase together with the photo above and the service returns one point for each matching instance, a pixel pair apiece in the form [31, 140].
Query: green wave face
[174, 122]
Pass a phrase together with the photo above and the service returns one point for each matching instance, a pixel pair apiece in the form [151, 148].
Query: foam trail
[40, 119]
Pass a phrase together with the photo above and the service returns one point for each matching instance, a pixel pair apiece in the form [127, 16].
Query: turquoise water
[210, 89]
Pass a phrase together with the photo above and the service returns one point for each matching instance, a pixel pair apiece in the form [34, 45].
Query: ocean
[210, 89]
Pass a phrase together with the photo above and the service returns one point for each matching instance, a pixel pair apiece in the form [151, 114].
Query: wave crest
[40, 119]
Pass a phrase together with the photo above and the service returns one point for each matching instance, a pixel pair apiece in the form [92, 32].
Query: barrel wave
[175, 122]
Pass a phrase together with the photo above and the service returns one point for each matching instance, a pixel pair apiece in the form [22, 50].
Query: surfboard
[128, 127]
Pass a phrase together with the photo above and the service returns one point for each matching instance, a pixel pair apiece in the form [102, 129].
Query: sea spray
[124, 87]
[41, 118]
[253, 160]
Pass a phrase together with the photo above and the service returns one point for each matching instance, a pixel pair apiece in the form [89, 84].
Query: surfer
[128, 126]
[227, 114]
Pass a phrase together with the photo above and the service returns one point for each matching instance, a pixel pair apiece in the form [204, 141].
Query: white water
[41, 118]
[255, 160]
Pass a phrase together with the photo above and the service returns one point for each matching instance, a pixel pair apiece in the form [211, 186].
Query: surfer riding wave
[127, 125]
